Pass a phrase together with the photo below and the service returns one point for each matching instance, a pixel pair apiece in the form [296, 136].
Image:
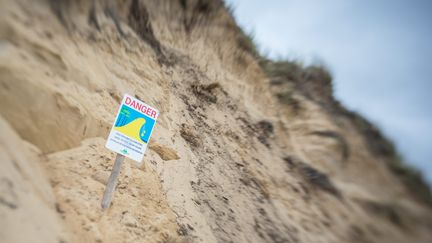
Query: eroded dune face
[236, 155]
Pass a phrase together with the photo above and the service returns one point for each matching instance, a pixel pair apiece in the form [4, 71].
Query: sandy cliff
[241, 152]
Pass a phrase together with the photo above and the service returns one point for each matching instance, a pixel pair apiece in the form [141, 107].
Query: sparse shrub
[265, 129]
[246, 42]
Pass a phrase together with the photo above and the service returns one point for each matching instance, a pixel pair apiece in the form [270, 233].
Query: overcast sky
[379, 52]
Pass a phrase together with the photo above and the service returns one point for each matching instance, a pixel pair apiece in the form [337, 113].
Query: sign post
[112, 181]
[129, 137]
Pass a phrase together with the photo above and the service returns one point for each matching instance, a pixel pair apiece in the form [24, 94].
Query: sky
[379, 52]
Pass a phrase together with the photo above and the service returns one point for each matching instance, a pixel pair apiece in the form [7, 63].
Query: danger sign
[132, 128]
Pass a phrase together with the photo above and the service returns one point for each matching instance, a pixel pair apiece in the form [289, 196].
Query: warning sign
[132, 128]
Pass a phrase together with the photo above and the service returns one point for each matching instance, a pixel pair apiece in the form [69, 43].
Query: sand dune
[233, 158]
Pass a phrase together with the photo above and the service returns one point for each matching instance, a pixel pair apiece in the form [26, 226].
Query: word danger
[141, 107]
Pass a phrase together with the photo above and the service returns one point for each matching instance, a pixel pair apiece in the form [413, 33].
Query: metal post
[112, 181]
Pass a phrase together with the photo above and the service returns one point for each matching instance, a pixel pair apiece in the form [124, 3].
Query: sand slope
[227, 161]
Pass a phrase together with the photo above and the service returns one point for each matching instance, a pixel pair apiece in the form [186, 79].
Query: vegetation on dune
[314, 82]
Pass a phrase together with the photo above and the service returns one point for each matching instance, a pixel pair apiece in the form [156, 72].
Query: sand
[226, 162]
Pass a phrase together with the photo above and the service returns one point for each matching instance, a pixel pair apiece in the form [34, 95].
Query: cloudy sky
[379, 51]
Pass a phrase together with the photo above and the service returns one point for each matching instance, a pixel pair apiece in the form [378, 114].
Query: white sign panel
[132, 128]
